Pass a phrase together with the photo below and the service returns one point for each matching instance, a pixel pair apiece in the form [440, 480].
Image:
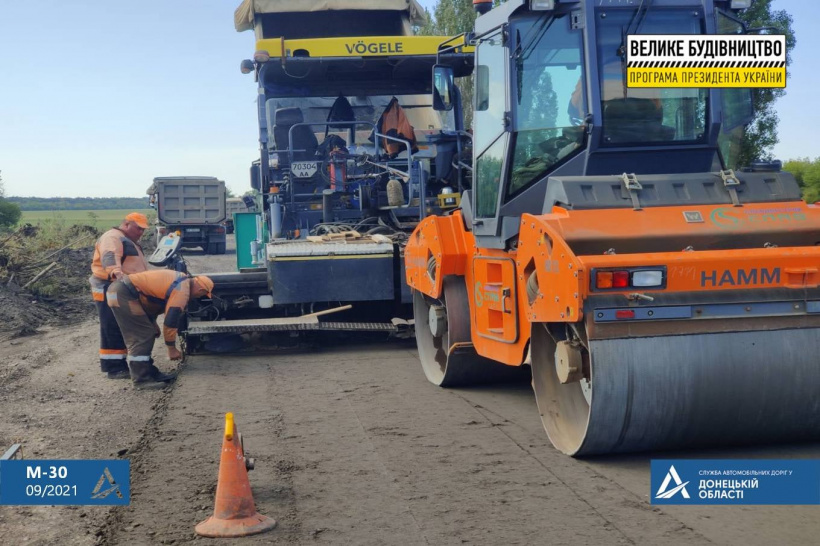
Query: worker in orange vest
[137, 300]
[116, 253]
[394, 123]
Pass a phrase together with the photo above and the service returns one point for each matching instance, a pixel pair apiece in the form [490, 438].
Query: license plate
[192, 230]
[304, 169]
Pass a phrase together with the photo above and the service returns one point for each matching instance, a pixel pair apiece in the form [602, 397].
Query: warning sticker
[706, 61]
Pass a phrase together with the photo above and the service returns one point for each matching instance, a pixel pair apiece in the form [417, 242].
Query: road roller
[661, 296]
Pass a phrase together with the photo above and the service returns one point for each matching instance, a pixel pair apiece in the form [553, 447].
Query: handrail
[460, 163]
[422, 188]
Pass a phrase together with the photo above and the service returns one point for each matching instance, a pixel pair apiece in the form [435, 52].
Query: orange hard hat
[138, 218]
[204, 283]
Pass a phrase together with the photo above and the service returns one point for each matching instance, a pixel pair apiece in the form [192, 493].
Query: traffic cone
[234, 510]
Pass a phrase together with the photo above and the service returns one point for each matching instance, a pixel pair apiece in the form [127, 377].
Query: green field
[101, 219]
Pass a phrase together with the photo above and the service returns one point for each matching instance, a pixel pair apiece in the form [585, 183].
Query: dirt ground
[352, 446]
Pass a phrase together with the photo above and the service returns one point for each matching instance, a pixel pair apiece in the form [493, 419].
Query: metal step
[285, 324]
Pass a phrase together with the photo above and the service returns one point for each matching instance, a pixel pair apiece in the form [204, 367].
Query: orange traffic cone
[234, 510]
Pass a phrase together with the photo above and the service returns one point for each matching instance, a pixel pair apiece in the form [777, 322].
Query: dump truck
[352, 156]
[194, 206]
[663, 299]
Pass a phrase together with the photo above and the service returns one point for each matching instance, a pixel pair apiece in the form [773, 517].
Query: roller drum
[684, 391]
[449, 358]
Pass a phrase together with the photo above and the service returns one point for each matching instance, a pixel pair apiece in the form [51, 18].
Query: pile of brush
[44, 273]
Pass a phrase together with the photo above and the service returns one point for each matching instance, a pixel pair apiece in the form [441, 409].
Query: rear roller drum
[445, 347]
[562, 392]
[669, 392]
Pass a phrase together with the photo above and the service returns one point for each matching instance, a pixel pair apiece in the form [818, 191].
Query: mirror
[443, 88]
[256, 176]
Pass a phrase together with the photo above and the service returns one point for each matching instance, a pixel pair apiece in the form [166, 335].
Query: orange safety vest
[163, 291]
[114, 252]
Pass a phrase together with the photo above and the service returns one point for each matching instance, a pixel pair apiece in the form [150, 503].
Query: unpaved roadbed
[353, 446]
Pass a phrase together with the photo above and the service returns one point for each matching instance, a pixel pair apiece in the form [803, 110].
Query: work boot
[163, 377]
[144, 377]
[116, 369]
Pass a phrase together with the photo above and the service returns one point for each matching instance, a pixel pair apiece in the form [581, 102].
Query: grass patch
[99, 219]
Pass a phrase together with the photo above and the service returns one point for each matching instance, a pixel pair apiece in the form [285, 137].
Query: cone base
[214, 527]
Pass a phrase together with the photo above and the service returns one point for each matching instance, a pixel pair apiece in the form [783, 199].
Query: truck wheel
[220, 248]
[211, 248]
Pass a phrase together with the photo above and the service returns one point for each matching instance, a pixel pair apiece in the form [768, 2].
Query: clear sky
[99, 97]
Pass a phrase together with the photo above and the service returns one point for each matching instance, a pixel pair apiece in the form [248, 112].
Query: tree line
[807, 173]
[9, 212]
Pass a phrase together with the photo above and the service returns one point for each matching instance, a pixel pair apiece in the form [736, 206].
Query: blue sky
[99, 97]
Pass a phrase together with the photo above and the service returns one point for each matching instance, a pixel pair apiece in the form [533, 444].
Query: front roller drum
[672, 392]
[445, 347]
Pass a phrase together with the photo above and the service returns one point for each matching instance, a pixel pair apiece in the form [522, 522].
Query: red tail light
[620, 279]
[624, 314]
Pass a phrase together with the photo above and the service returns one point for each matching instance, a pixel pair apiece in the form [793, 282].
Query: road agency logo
[667, 491]
[113, 486]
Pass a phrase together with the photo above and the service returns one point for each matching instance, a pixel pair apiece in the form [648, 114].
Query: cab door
[491, 131]
[494, 297]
